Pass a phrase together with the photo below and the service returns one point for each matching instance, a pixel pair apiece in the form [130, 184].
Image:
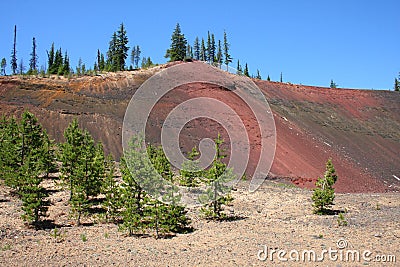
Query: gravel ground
[275, 217]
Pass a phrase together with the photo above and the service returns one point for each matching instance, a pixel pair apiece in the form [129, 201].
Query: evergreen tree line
[59, 63]
[28, 156]
[117, 54]
[211, 50]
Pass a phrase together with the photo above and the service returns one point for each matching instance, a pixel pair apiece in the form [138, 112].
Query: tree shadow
[185, 230]
[51, 191]
[96, 210]
[139, 235]
[47, 224]
[232, 218]
[87, 224]
[330, 212]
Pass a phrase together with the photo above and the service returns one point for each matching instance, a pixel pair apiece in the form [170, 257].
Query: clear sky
[354, 42]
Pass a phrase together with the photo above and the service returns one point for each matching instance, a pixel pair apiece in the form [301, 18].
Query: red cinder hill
[358, 129]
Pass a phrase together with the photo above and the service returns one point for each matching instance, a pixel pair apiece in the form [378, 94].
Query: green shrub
[324, 194]
[83, 237]
[217, 194]
[341, 220]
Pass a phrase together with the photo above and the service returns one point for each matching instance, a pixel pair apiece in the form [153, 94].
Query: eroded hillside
[358, 129]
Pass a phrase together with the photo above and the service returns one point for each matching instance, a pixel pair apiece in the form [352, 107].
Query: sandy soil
[277, 216]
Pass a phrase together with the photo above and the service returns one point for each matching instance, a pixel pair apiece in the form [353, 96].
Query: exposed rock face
[358, 129]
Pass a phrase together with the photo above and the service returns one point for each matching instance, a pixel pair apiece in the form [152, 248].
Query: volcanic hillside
[358, 129]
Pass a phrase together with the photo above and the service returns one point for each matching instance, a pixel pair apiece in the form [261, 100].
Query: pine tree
[9, 151]
[246, 71]
[333, 84]
[49, 159]
[102, 64]
[177, 50]
[149, 63]
[57, 66]
[112, 60]
[33, 62]
[137, 56]
[219, 54]
[165, 218]
[50, 59]
[21, 67]
[258, 76]
[3, 66]
[396, 85]
[23, 164]
[111, 190]
[70, 154]
[98, 60]
[160, 161]
[189, 52]
[176, 220]
[196, 48]
[133, 55]
[281, 79]
[324, 193]
[122, 47]
[239, 70]
[133, 198]
[212, 56]
[138, 211]
[217, 194]
[83, 68]
[66, 67]
[210, 48]
[83, 168]
[13, 61]
[146, 62]
[268, 78]
[33, 166]
[59, 62]
[203, 53]
[79, 67]
[228, 58]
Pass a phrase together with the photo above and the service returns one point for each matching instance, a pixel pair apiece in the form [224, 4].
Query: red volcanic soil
[358, 129]
[200, 128]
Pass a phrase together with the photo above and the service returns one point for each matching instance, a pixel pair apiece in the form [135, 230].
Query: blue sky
[354, 42]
